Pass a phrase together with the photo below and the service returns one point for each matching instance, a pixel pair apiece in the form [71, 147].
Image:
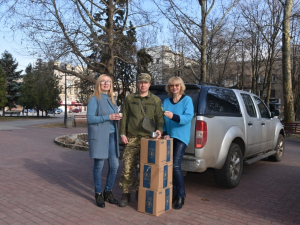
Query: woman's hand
[115, 116]
[166, 137]
[168, 114]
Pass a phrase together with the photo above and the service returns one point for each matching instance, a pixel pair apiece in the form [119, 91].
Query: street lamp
[65, 119]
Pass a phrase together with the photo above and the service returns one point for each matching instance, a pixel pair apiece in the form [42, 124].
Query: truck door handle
[250, 123]
[263, 123]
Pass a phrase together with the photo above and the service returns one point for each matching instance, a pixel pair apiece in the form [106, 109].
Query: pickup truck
[230, 128]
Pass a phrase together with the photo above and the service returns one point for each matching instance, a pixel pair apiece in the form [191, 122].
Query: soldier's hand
[159, 134]
[124, 139]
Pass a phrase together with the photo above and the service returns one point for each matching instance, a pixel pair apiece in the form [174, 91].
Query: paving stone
[43, 183]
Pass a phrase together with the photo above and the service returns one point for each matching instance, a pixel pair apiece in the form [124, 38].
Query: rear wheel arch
[241, 143]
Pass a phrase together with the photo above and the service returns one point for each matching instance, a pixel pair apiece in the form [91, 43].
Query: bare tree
[264, 19]
[173, 60]
[193, 26]
[81, 32]
[295, 68]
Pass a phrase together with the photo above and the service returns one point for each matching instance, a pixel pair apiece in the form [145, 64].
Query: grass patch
[293, 136]
[52, 125]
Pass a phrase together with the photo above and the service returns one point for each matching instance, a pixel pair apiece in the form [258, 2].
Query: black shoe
[174, 199]
[179, 203]
[125, 200]
[137, 195]
[99, 200]
[108, 196]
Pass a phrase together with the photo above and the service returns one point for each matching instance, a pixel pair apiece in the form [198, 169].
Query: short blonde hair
[179, 81]
[98, 90]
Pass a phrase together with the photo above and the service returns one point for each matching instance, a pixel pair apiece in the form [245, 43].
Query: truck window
[264, 112]
[249, 105]
[222, 102]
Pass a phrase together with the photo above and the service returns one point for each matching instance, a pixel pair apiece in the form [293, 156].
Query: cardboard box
[156, 177]
[155, 202]
[156, 152]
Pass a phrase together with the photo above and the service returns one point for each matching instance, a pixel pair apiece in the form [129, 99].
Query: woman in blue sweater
[179, 111]
[103, 117]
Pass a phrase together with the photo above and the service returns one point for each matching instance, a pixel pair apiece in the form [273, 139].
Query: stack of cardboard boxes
[156, 171]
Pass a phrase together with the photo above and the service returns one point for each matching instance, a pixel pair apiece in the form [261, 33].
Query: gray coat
[98, 112]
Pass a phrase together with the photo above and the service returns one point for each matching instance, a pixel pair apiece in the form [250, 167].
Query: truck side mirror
[275, 113]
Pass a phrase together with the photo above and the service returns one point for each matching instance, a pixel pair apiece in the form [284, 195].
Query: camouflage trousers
[130, 161]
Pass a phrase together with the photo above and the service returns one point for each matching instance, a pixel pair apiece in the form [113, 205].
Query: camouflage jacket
[132, 114]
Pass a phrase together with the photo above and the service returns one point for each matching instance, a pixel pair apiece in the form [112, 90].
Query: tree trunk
[289, 115]
[110, 34]
[203, 42]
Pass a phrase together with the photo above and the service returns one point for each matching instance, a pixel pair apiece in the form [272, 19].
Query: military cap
[144, 77]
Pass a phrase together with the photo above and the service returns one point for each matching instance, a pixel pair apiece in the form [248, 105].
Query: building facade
[167, 63]
[70, 88]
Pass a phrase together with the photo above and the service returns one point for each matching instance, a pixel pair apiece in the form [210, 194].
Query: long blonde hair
[98, 90]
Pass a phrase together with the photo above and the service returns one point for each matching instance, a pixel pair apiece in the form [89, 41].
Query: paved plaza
[43, 183]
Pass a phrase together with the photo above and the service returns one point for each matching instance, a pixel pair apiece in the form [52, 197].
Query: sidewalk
[43, 183]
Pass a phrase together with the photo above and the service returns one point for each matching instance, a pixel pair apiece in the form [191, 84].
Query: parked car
[51, 111]
[58, 110]
[29, 110]
[76, 110]
[230, 128]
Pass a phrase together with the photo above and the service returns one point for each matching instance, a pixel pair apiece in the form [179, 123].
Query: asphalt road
[43, 183]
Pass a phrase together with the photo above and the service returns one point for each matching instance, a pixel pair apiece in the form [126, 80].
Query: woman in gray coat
[103, 137]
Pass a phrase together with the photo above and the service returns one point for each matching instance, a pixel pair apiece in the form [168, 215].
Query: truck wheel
[280, 147]
[230, 174]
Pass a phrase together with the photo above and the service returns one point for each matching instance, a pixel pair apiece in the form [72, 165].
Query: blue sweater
[180, 125]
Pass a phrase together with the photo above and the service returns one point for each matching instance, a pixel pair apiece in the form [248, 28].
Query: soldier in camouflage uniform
[131, 130]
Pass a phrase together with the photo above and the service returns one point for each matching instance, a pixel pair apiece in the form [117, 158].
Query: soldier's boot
[125, 200]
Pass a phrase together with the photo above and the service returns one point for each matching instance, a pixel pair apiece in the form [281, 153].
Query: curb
[72, 146]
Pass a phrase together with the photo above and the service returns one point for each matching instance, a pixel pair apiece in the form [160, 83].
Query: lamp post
[65, 120]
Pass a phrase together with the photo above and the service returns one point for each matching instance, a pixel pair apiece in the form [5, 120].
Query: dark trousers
[178, 180]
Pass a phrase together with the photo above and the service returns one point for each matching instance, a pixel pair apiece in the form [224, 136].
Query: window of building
[259, 80]
[69, 83]
[272, 93]
[259, 93]
[273, 78]
[157, 60]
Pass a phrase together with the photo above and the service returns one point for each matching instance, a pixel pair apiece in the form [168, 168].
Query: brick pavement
[43, 183]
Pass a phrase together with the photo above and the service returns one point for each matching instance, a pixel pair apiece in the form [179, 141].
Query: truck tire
[230, 174]
[280, 147]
